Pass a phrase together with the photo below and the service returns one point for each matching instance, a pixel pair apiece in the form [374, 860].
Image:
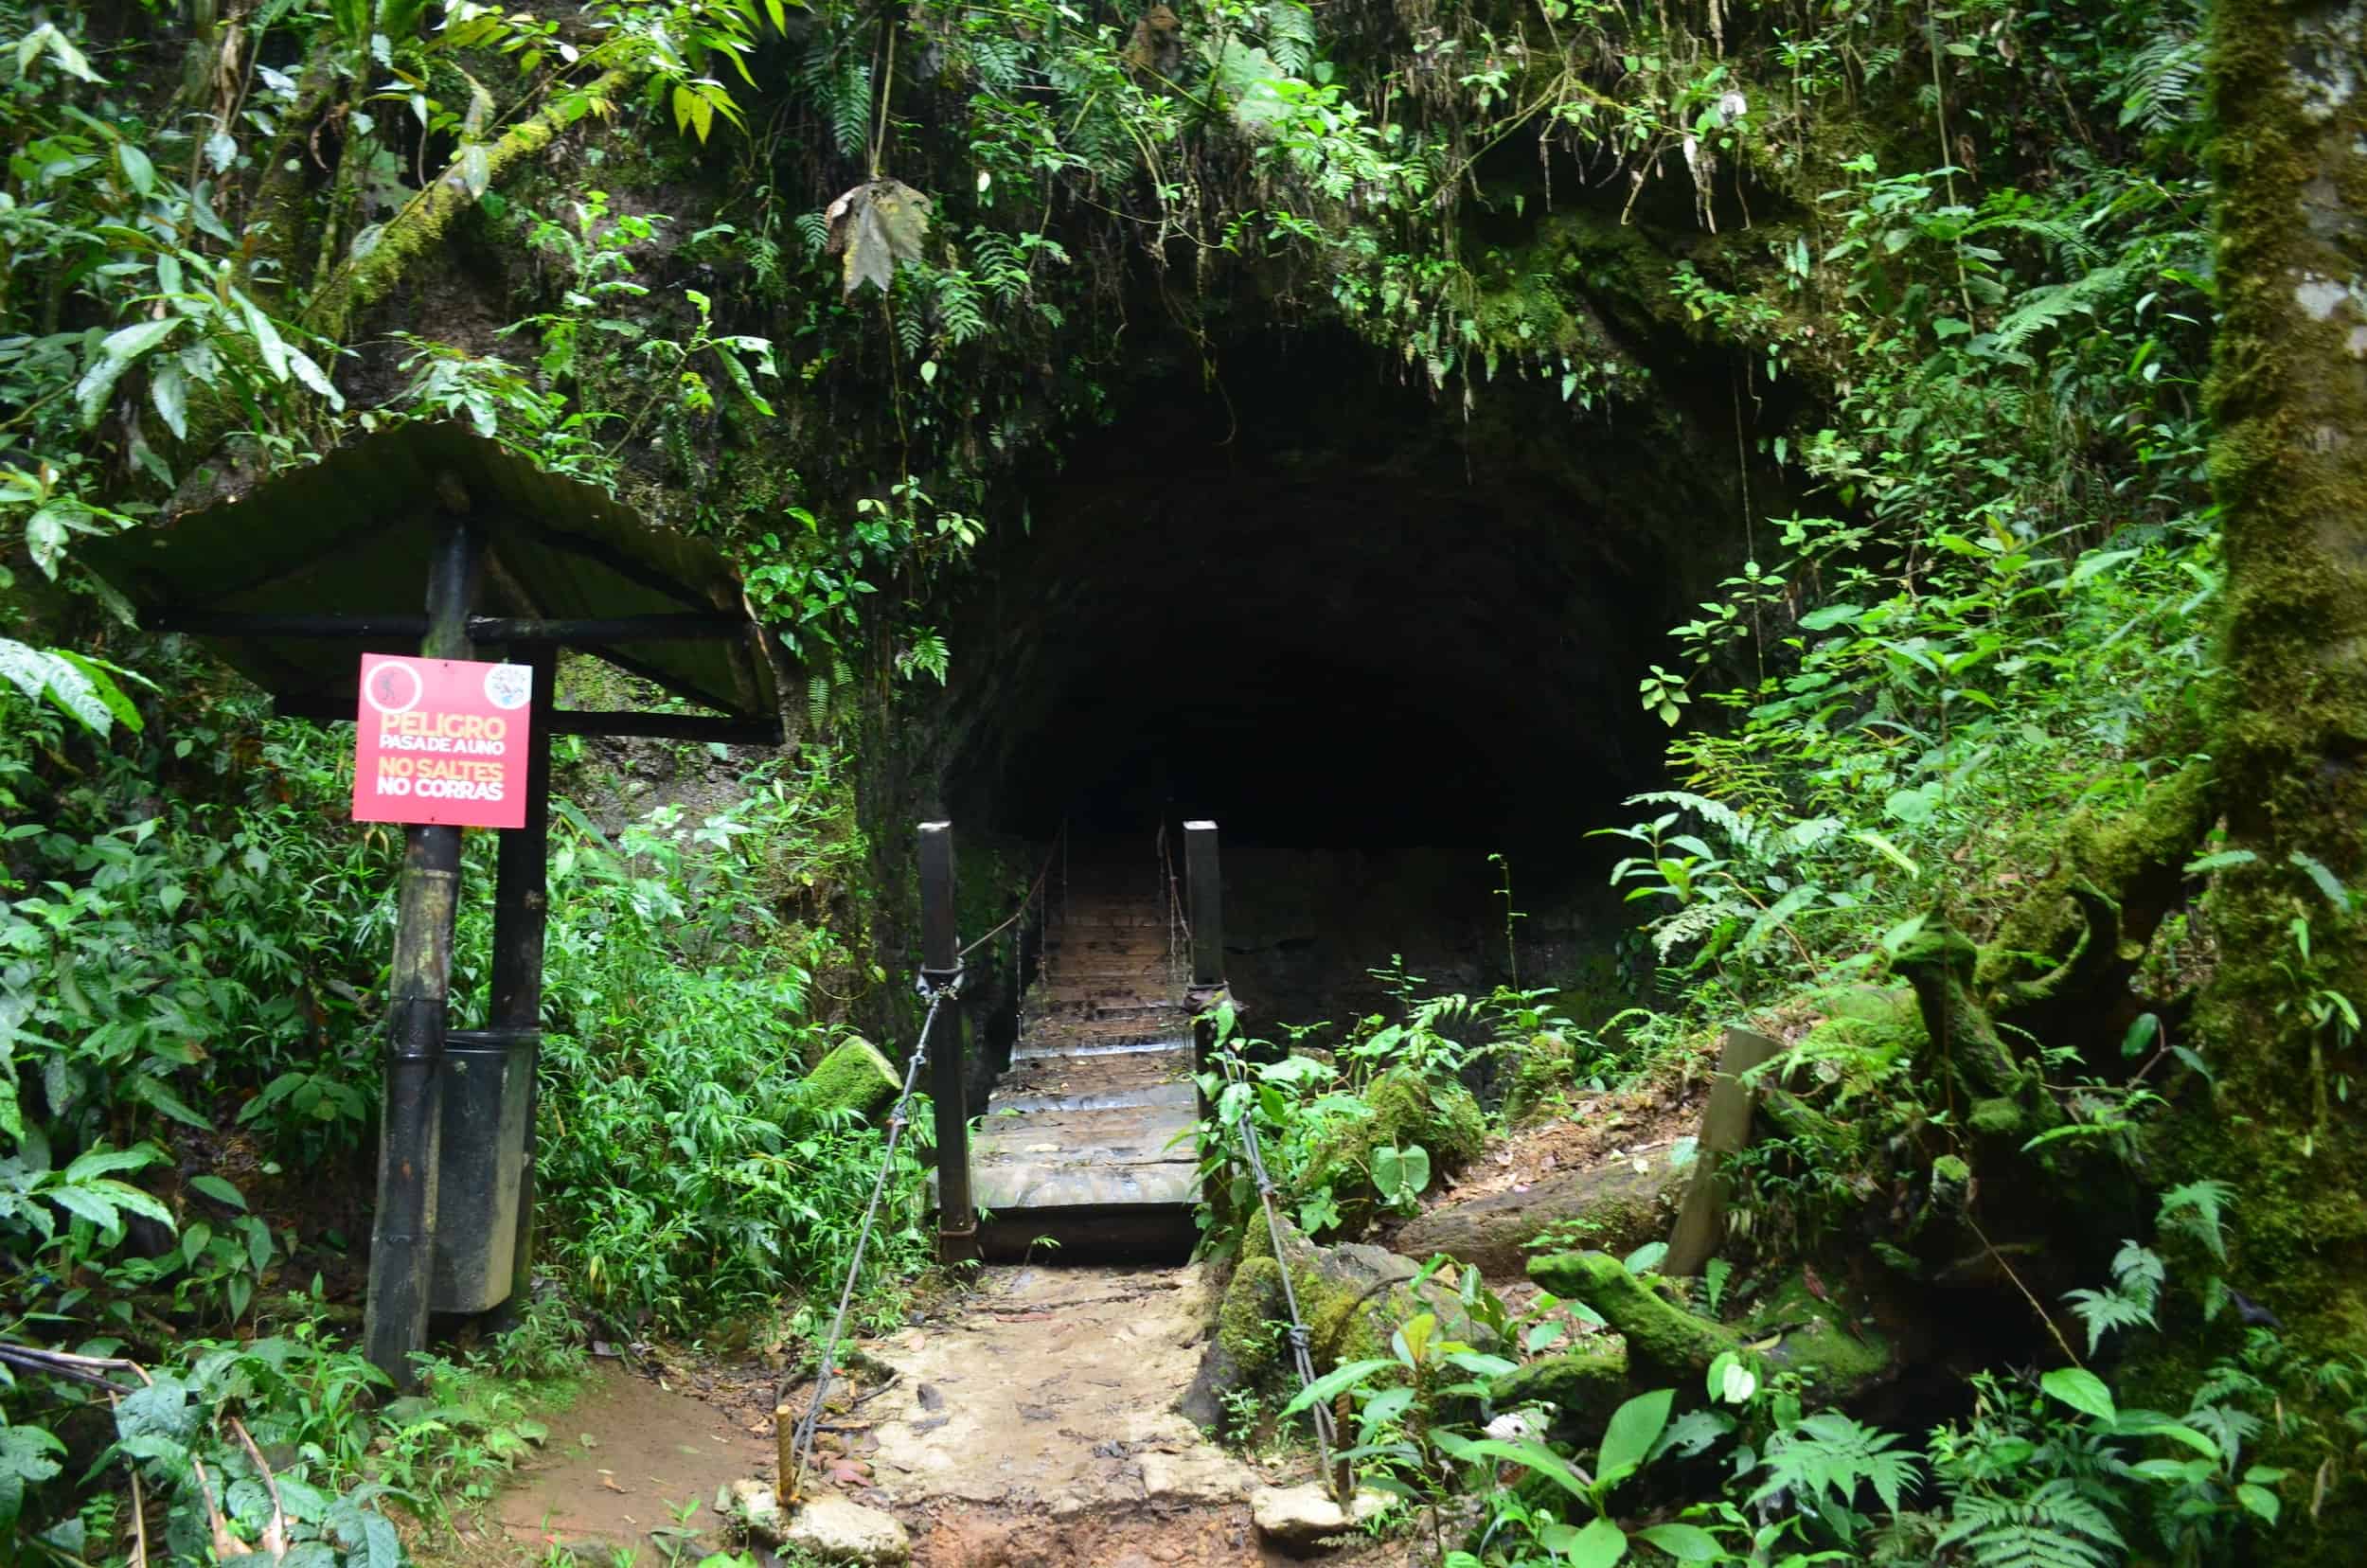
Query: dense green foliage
[813, 280]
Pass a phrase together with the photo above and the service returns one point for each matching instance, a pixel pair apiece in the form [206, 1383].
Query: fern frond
[959, 313]
[1290, 35]
[1737, 826]
[1832, 1454]
[850, 108]
[2194, 1209]
[2043, 306]
[2160, 86]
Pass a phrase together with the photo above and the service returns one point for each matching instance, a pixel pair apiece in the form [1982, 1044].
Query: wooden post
[403, 1239]
[1725, 1130]
[522, 902]
[949, 1045]
[1206, 890]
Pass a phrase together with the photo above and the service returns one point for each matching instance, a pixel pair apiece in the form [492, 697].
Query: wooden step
[1087, 1135]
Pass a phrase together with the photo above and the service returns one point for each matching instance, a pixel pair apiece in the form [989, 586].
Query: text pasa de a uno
[457, 734]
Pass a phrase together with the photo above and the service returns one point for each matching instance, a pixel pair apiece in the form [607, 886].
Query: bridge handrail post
[941, 968]
[1203, 890]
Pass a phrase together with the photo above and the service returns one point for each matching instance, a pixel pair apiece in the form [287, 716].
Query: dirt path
[630, 1464]
[1032, 1422]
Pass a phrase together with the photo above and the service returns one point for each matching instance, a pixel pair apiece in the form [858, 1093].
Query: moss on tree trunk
[2289, 387]
[364, 278]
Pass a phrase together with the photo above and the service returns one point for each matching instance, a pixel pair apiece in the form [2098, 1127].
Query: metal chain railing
[940, 989]
[943, 990]
[1301, 1340]
[1179, 923]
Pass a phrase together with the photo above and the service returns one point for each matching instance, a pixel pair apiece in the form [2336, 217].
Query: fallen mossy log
[1613, 1206]
[1794, 1329]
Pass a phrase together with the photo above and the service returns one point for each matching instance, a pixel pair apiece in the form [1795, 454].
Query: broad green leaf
[1635, 1426]
[137, 171]
[159, 1409]
[156, 1091]
[1599, 1546]
[268, 343]
[1830, 615]
[102, 686]
[301, 365]
[124, 1195]
[1522, 1451]
[1332, 1382]
[25, 1458]
[2095, 564]
[2080, 1389]
[73, 691]
[1685, 1542]
[1890, 851]
[116, 353]
[106, 1162]
[83, 1203]
[2146, 1423]
[220, 1191]
[27, 667]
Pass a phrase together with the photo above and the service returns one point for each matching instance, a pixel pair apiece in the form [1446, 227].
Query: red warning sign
[441, 742]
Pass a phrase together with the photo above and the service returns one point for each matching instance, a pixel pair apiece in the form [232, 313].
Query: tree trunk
[2289, 389]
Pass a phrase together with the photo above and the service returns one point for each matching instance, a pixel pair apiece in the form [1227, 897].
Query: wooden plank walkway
[1087, 1138]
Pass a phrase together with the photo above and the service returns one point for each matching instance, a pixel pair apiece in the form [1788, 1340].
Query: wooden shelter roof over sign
[290, 581]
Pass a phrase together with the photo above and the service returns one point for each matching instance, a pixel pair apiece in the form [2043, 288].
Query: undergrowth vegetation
[191, 957]
[1945, 818]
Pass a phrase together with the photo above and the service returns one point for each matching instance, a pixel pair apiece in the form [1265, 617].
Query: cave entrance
[1377, 631]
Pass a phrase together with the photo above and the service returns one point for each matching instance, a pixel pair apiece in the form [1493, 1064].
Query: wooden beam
[1204, 886]
[1725, 1131]
[583, 632]
[522, 902]
[724, 729]
[729, 730]
[638, 573]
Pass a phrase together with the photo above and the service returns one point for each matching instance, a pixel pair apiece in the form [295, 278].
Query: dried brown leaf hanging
[873, 227]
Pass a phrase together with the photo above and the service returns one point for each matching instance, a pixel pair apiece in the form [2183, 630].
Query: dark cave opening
[1373, 630]
[1331, 609]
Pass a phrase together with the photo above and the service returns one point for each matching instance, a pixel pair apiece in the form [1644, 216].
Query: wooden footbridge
[1086, 1139]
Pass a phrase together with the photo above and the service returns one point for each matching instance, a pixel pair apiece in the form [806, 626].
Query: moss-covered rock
[1540, 1075]
[1663, 1341]
[1839, 1357]
[854, 1076]
[1351, 1297]
[1876, 1027]
[1253, 1303]
[1584, 1385]
[1406, 1110]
